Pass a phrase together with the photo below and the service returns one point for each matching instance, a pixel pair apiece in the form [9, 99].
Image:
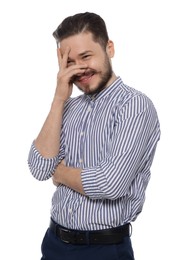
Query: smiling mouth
[84, 77]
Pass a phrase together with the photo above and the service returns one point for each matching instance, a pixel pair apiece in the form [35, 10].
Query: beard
[105, 77]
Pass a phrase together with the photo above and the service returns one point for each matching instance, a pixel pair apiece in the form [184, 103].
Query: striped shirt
[113, 138]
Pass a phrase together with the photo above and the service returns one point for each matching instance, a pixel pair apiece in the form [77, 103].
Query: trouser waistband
[106, 236]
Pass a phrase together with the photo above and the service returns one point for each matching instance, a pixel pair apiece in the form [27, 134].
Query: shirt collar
[107, 91]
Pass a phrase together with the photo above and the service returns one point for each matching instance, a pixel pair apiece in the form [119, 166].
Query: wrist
[57, 104]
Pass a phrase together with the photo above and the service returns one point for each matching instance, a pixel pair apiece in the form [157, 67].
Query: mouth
[85, 77]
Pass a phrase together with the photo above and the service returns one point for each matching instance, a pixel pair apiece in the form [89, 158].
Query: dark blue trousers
[54, 249]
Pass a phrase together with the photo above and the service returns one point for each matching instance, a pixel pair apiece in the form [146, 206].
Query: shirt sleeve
[43, 168]
[131, 151]
[40, 167]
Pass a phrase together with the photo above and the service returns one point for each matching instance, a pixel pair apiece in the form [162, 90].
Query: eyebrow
[84, 53]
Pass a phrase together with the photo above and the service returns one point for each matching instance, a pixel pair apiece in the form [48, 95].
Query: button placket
[84, 123]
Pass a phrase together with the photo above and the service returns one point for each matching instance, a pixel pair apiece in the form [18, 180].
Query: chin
[86, 90]
[91, 91]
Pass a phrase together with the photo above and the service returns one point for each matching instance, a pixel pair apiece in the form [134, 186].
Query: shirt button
[89, 109]
[70, 210]
[82, 133]
[81, 161]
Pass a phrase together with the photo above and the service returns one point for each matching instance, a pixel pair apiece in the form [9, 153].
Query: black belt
[106, 236]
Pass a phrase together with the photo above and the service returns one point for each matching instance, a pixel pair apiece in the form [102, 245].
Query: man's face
[83, 50]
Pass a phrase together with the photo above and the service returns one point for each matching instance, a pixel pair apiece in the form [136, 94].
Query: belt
[106, 236]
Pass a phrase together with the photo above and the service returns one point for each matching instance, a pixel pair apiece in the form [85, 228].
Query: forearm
[48, 140]
[72, 179]
[68, 176]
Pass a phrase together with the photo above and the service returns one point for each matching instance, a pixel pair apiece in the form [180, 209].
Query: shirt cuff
[90, 185]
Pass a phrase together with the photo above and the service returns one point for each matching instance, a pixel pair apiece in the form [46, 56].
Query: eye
[70, 62]
[86, 57]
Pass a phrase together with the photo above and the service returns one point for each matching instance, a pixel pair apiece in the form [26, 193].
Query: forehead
[79, 43]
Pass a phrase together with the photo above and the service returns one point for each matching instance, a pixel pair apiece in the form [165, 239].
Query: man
[97, 148]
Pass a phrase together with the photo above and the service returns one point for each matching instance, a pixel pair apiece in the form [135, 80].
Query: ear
[110, 49]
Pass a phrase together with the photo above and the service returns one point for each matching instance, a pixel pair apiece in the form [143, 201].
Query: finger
[59, 57]
[55, 182]
[65, 57]
[63, 162]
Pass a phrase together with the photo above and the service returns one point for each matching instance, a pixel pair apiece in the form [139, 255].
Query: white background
[151, 55]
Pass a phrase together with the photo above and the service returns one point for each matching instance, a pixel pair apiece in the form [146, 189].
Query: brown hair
[83, 22]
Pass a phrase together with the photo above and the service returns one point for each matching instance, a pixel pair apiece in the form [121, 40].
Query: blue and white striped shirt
[113, 138]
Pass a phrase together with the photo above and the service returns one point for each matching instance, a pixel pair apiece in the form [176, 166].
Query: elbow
[38, 174]
[112, 193]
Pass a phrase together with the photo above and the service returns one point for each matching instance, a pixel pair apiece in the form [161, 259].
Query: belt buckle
[66, 231]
